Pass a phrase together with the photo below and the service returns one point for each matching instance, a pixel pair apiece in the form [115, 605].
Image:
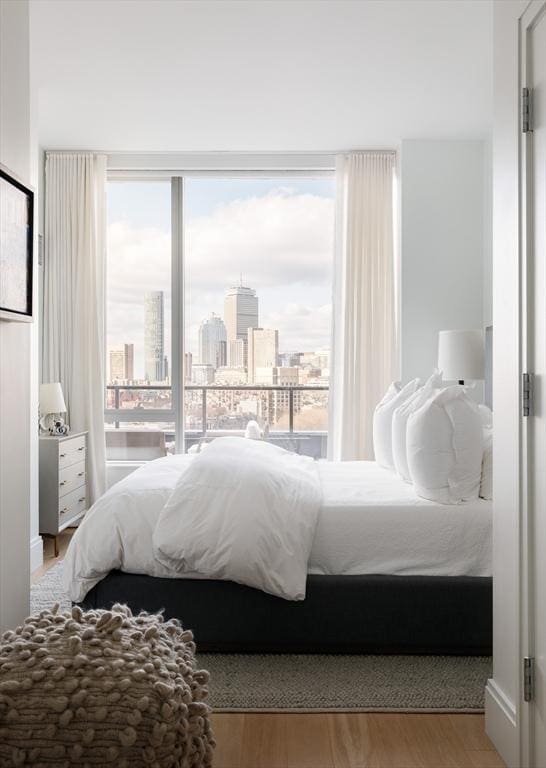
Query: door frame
[532, 14]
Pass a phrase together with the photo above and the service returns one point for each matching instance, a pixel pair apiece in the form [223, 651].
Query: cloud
[278, 239]
[281, 242]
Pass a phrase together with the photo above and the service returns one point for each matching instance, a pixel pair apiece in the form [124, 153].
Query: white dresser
[63, 482]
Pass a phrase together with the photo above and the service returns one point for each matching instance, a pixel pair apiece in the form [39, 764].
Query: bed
[388, 572]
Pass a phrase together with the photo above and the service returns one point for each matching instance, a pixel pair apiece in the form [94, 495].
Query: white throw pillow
[486, 485]
[382, 420]
[486, 415]
[445, 447]
[400, 422]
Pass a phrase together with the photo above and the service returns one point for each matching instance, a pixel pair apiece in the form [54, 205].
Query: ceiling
[275, 76]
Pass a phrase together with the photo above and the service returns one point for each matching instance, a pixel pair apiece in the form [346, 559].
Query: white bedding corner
[245, 511]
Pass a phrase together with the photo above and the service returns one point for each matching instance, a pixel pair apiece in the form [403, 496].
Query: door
[533, 48]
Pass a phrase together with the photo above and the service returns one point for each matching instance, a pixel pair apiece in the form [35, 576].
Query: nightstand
[63, 482]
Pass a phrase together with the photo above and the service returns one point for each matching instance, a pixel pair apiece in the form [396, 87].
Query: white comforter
[245, 511]
[370, 521]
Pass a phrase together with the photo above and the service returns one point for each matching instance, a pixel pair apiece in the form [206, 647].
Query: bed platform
[449, 615]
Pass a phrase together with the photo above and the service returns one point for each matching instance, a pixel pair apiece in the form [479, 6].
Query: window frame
[179, 168]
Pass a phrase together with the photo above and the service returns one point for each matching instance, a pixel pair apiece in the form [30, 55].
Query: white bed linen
[244, 511]
[370, 522]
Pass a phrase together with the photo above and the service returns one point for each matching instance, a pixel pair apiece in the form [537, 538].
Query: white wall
[443, 231]
[15, 338]
[503, 717]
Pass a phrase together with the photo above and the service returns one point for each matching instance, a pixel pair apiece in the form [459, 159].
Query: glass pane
[258, 277]
[138, 289]
[138, 441]
[134, 398]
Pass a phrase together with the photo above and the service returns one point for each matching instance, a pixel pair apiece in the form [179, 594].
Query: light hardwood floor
[340, 740]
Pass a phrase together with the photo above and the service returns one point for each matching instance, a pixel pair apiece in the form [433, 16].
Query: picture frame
[16, 248]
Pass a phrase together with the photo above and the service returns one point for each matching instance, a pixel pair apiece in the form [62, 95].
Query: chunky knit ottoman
[102, 688]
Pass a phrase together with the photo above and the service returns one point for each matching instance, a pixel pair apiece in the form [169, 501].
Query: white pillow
[486, 415]
[486, 485]
[400, 422]
[445, 447]
[382, 420]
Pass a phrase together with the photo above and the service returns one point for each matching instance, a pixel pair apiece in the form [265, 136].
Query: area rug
[324, 682]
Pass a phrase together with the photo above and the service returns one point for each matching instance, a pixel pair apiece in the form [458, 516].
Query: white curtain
[74, 295]
[364, 343]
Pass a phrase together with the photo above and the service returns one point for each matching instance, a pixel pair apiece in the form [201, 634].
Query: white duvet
[370, 522]
[245, 511]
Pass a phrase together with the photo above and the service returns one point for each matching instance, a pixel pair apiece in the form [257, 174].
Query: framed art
[16, 247]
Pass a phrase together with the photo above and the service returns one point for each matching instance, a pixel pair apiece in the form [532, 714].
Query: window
[246, 338]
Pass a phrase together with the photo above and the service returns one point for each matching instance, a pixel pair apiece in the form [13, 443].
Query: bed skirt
[341, 614]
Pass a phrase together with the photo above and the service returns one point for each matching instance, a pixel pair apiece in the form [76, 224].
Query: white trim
[501, 723]
[36, 553]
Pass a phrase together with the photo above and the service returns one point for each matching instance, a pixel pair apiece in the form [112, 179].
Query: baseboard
[501, 723]
[36, 553]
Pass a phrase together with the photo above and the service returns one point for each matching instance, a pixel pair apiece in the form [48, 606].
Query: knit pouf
[102, 688]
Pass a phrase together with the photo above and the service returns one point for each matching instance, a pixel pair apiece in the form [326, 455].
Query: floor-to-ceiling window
[218, 311]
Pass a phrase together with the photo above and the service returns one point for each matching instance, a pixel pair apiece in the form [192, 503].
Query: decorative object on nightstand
[51, 404]
[461, 355]
[63, 482]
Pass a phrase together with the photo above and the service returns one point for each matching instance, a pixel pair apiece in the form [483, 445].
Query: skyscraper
[263, 350]
[240, 314]
[154, 353]
[212, 342]
[122, 363]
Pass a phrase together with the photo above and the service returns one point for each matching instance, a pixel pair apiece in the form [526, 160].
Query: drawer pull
[82, 448]
[63, 482]
[81, 474]
[64, 510]
[82, 498]
[62, 455]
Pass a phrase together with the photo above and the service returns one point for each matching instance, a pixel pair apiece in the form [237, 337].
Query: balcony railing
[295, 414]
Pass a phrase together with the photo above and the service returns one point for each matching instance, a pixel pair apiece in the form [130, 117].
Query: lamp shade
[461, 355]
[51, 399]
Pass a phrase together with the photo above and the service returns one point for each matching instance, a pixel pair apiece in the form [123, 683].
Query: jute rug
[322, 683]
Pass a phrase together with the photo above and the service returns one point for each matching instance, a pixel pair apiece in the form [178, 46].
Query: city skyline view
[278, 236]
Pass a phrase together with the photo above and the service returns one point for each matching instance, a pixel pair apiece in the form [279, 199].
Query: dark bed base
[341, 614]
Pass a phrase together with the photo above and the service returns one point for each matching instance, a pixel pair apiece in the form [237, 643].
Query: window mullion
[177, 314]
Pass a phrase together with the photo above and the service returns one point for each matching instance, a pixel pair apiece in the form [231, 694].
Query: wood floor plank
[471, 731]
[308, 741]
[485, 758]
[264, 741]
[435, 741]
[228, 733]
[350, 740]
[391, 745]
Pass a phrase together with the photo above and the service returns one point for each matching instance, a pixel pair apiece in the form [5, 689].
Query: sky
[277, 233]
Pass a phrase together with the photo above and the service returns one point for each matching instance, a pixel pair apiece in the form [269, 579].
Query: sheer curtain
[74, 295]
[364, 343]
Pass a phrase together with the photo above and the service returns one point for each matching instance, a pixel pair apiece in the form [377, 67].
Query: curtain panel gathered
[364, 343]
[74, 295]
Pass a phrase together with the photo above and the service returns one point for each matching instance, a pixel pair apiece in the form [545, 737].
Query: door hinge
[526, 111]
[528, 678]
[526, 393]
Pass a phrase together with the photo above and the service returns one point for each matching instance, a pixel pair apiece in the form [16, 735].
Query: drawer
[71, 451]
[72, 505]
[71, 478]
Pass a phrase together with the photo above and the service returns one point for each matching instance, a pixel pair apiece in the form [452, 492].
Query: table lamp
[51, 403]
[461, 355]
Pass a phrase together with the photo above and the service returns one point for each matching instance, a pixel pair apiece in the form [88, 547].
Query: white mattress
[371, 522]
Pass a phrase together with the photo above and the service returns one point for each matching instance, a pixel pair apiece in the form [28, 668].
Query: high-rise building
[263, 350]
[240, 314]
[188, 362]
[212, 342]
[122, 363]
[202, 374]
[236, 353]
[154, 352]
